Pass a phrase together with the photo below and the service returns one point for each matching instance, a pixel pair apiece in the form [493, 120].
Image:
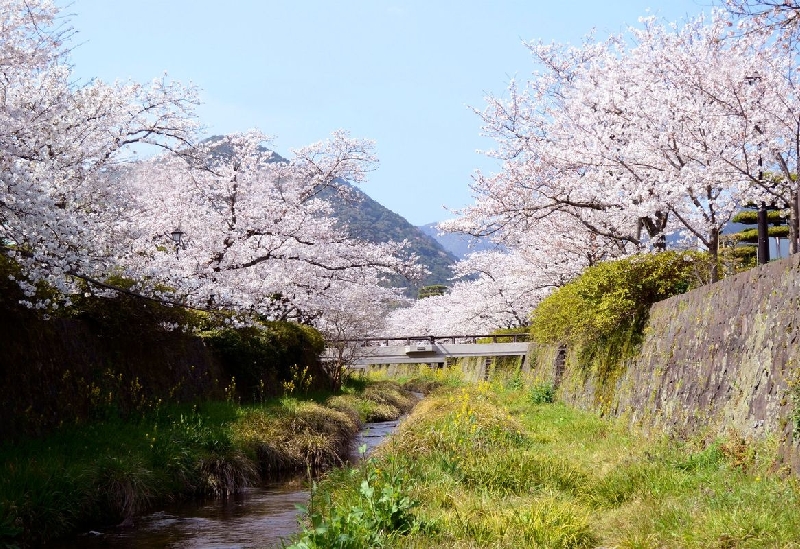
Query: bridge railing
[388, 341]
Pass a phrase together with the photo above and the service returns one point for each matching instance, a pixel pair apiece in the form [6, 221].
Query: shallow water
[259, 517]
[372, 435]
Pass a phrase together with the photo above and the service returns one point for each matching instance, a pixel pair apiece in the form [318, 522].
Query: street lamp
[177, 238]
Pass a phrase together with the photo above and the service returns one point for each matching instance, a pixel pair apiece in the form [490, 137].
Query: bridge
[360, 353]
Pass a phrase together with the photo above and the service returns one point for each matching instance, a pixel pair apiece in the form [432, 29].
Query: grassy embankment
[499, 465]
[107, 471]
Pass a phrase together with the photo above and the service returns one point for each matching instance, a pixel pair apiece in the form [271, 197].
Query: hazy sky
[403, 73]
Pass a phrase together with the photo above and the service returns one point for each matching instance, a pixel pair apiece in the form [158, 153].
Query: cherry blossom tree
[780, 17]
[502, 292]
[78, 208]
[614, 145]
[255, 236]
[59, 206]
[354, 311]
[632, 138]
[775, 117]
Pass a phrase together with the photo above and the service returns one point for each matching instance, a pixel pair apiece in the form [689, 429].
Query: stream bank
[499, 464]
[257, 517]
[89, 477]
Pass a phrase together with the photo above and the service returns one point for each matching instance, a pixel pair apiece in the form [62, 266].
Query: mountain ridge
[460, 245]
[367, 219]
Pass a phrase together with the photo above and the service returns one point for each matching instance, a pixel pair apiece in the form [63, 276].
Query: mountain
[369, 220]
[459, 245]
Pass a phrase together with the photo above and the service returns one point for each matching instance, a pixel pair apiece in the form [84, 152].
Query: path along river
[260, 517]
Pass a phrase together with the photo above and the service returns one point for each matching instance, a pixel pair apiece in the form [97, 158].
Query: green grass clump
[295, 435]
[373, 510]
[544, 522]
[487, 465]
[376, 401]
[542, 393]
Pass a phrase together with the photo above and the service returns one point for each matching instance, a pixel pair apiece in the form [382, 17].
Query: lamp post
[177, 238]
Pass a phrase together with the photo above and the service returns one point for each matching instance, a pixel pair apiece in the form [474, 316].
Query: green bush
[543, 393]
[601, 314]
[261, 358]
[614, 297]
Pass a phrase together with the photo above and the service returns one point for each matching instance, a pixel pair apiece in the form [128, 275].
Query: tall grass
[496, 465]
[109, 471]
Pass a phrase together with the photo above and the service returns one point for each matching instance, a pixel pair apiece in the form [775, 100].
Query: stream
[262, 516]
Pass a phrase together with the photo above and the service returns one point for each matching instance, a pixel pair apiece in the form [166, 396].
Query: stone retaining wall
[721, 359]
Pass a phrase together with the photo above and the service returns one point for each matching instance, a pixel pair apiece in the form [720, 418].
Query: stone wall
[484, 368]
[721, 359]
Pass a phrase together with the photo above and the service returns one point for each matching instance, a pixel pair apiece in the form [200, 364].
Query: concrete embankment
[721, 359]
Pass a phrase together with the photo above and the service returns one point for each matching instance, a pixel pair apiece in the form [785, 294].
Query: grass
[109, 471]
[497, 465]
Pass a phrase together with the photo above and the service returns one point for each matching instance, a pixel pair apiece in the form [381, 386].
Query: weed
[380, 514]
[543, 393]
[124, 486]
[224, 473]
[300, 381]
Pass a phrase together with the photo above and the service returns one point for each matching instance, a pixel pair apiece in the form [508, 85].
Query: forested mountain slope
[369, 220]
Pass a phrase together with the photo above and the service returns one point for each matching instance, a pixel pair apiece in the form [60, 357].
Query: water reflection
[259, 517]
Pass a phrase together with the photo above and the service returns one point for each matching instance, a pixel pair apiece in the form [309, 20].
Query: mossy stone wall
[717, 360]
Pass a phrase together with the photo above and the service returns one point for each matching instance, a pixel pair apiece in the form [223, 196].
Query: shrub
[261, 357]
[543, 393]
[614, 297]
[602, 313]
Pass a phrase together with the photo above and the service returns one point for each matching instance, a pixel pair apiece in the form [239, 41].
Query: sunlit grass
[488, 465]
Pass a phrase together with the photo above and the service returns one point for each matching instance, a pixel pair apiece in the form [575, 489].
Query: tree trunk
[763, 235]
[655, 229]
[794, 223]
[713, 250]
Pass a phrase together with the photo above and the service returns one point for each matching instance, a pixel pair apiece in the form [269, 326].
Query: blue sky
[402, 73]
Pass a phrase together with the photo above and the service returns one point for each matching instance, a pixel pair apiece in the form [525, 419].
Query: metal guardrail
[384, 341]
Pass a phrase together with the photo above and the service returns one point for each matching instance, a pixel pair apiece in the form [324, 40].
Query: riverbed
[259, 517]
